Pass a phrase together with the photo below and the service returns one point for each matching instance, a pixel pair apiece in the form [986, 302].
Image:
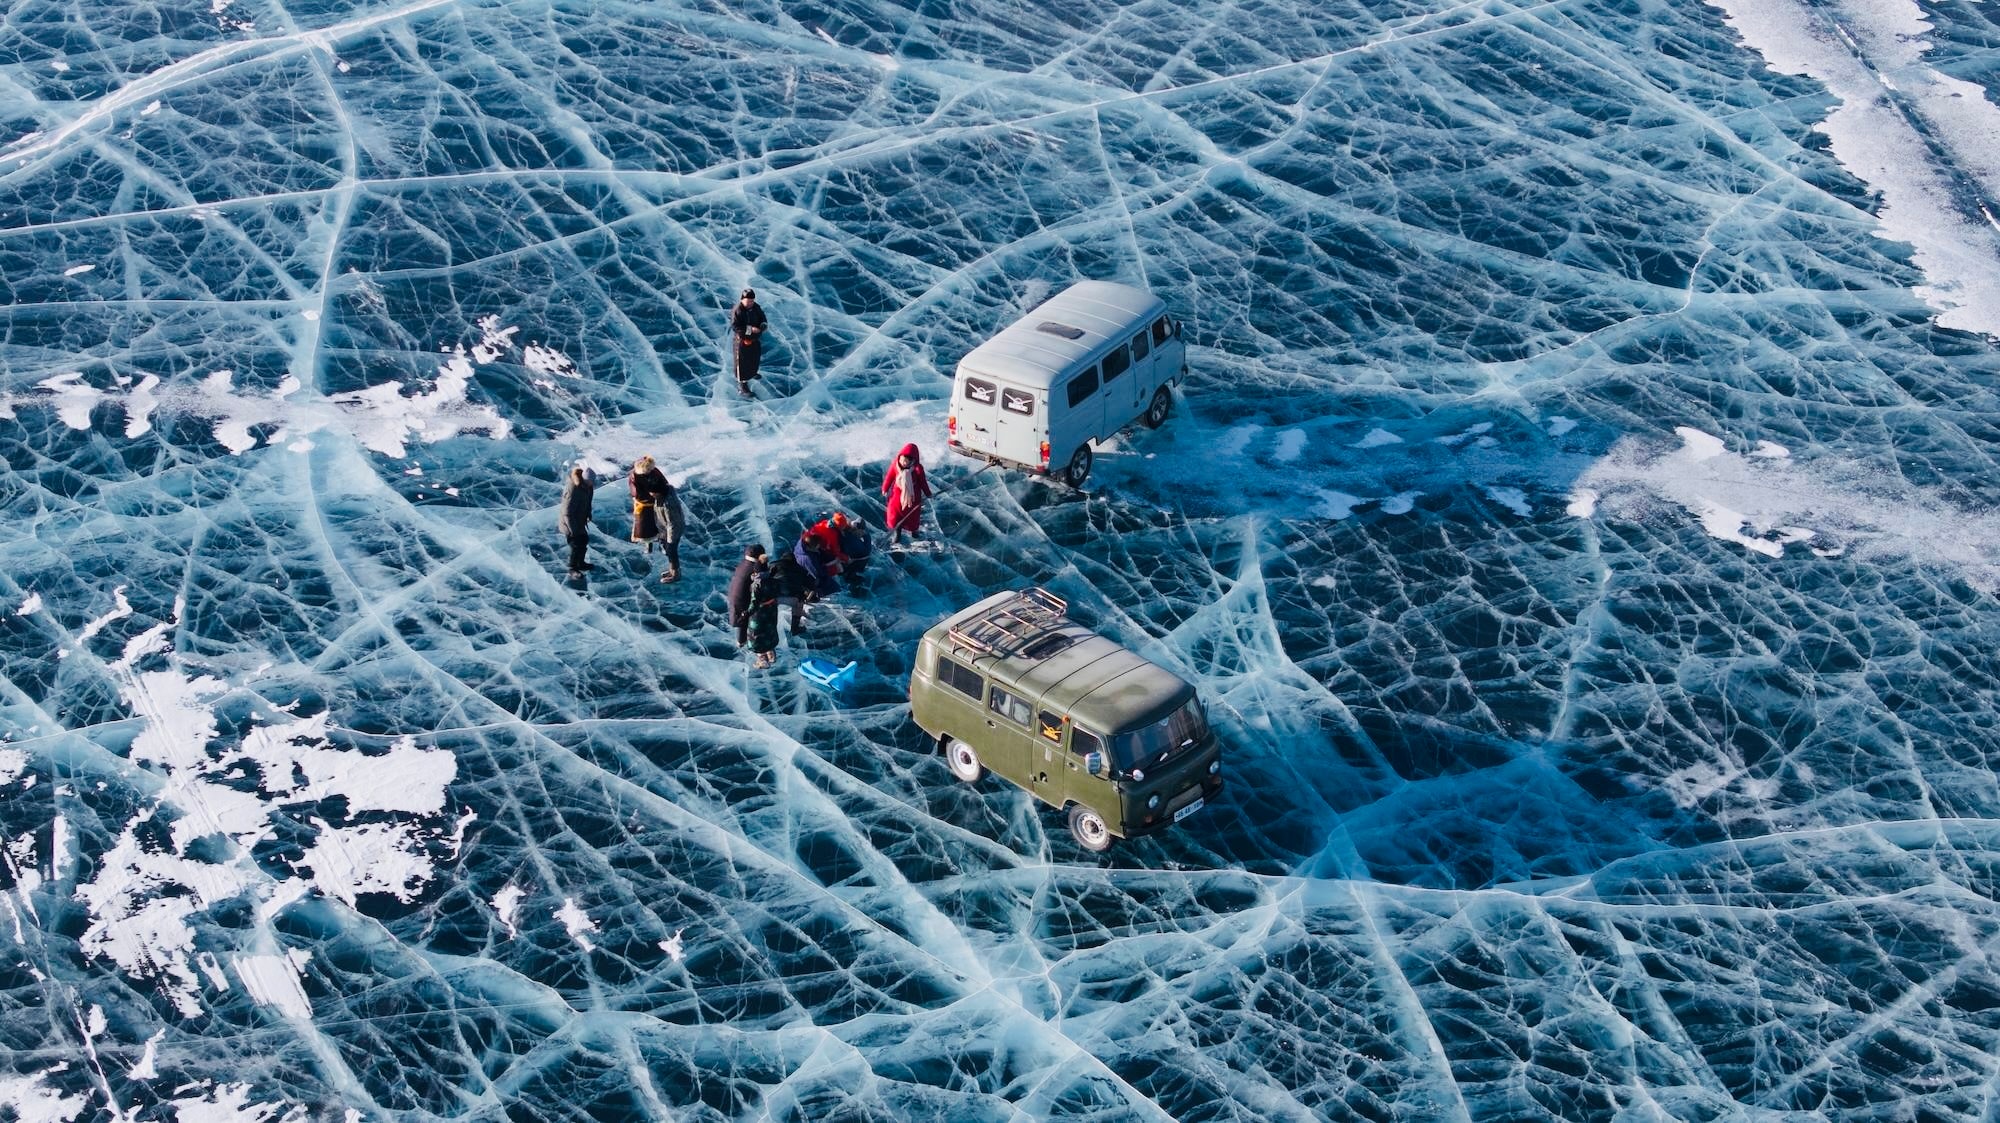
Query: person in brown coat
[656, 513]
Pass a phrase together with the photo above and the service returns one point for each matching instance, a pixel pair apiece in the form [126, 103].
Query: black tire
[1079, 466]
[1089, 829]
[963, 762]
[1157, 410]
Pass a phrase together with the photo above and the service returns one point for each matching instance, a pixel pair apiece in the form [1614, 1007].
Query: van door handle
[989, 723]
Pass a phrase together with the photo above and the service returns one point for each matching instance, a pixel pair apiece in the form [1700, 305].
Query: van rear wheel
[963, 762]
[1079, 466]
[1156, 412]
[1089, 829]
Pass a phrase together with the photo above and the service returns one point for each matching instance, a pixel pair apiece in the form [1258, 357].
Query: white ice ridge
[103, 112]
[1873, 59]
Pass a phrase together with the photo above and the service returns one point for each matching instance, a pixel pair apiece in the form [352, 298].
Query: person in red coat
[907, 489]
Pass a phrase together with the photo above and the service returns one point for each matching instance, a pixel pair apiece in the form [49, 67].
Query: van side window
[1007, 706]
[1018, 401]
[1082, 742]
[1161, 330]
[1115, 363]
[1139, 347]
[961, 678]
[1049, 725]
[1083, 386]
[979, 391]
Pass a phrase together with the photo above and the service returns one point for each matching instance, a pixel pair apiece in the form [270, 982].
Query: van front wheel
[963, 762]
[1089, 829]
[1156, 413]
[1079, 466]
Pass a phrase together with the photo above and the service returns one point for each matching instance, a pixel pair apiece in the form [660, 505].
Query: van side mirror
[1094, 763]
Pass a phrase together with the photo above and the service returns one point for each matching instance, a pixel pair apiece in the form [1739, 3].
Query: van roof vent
[1014, 625]
[1064, 330]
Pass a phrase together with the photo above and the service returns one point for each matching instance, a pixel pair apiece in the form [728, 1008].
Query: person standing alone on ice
[907, 488]
[656, 513]
[746, 327]
[573, 522]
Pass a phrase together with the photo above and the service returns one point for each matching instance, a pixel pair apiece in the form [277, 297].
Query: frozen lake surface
[1579, 517]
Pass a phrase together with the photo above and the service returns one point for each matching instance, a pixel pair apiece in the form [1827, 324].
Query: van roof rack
[1012, 625]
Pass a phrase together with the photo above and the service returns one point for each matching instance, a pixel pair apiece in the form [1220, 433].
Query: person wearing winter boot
[573, 520]
[657, 517]
[739, 590]
[746, 330]
[906, 487]
[762, 617]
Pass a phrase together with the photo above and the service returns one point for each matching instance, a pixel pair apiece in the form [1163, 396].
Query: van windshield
[1137, 748]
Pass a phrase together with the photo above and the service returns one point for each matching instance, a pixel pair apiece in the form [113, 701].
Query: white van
[1077, 369]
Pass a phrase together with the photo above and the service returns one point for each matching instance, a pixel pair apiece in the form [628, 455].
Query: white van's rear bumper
[1037, 469]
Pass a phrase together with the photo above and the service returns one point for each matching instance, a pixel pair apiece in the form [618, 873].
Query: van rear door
[1021, 419]
[976, 408]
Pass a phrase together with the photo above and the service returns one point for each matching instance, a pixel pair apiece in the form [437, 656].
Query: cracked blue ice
[1578, 516]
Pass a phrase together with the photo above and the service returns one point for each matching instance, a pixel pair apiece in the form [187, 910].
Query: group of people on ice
[812, 567]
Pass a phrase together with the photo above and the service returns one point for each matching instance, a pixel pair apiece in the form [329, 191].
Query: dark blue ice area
[1580, 524]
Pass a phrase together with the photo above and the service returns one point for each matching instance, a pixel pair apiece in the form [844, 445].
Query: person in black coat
[739, 591]
[762, 615]
[789, 579]
[573, 520]
[746, 328]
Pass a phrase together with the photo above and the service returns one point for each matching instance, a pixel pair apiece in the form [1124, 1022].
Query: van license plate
[1188, 810]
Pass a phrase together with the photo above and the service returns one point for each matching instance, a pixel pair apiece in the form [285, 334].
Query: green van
[1011, 686]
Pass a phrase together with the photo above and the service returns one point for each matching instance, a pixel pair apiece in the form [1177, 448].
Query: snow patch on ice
[1376, 438]
[74, 398]
[146, 1068]
[274, 981]
[1512, 498]
[1291, 443]
[33, 1101]
[230, 1103]
[507, 905]
[1582, 502]
[29, 606]
[577, 923]
[1335, 504]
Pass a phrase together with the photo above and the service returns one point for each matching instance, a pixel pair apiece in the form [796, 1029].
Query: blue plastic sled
[822, 672]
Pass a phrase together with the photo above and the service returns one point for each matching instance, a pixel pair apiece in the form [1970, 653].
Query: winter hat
[754, 550]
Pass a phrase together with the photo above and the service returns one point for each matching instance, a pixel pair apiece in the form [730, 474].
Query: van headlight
[1214, 766]
[1153, 802]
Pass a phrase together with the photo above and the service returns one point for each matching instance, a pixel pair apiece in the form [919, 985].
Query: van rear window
[1115, 363]
[1083, 386]
[979, 391]
[961, 678]
[1017, 401]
